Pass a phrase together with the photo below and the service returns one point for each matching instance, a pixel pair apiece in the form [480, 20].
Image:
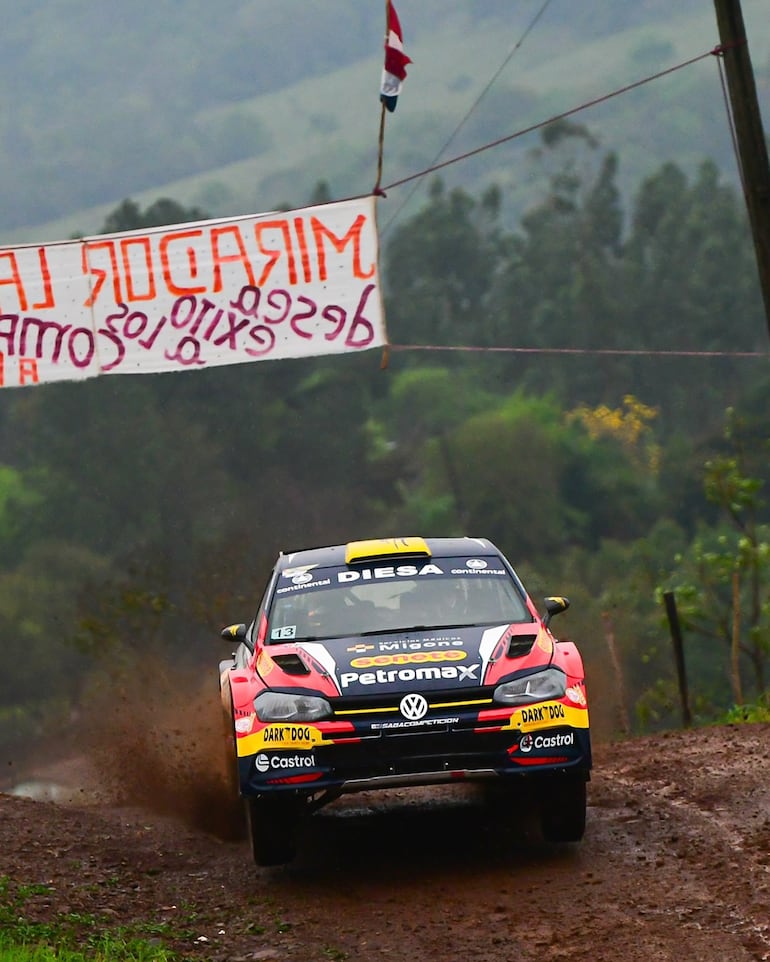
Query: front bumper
[380, 751]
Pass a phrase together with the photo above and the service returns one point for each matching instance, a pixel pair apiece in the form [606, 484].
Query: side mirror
[234, 633]
[554, 606]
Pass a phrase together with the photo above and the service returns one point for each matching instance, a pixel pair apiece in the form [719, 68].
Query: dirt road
[675, 866]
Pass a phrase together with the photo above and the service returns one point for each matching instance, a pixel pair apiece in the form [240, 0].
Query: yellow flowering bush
[629, 425]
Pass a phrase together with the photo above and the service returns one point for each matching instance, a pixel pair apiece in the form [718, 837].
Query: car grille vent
[520, 645]
[346, 706]
[292, 664]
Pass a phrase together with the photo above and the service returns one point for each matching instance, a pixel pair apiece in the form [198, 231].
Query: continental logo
[408, 658]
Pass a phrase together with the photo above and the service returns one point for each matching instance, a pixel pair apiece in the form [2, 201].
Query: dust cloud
[148, 737]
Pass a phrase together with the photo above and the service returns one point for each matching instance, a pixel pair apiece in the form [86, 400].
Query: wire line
[567, 113]
[616, 352]
[530, 27]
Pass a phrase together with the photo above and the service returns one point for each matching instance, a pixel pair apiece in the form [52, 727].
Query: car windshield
[323, 606]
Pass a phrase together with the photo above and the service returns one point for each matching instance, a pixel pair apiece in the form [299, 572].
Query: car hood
[395, 662]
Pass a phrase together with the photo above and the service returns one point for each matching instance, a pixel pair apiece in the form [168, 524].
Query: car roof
[386, 550]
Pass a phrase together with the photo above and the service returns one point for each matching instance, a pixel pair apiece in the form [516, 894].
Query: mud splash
[145, 737]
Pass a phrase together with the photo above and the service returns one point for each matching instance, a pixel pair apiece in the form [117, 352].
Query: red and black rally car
[398, 662]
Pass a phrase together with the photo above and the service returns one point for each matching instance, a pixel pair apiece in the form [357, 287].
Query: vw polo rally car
[401, 662]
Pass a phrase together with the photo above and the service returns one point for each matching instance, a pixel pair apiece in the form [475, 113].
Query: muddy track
[675, 865]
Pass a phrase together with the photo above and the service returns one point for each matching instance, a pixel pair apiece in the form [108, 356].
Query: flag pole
[377, 191]
[381, 142]
[380, 149]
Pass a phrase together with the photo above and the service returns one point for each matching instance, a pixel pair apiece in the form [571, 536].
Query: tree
[37, 611]
[517, 469]
[722, 583]
[690, 264]
[20, 499]
[557, 286]
[439, 268]
[690, 283]
[128, 215]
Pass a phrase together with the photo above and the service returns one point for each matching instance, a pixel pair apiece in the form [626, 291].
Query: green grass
[108, 949]
[30, 944]
[747, 714]
[72, 936]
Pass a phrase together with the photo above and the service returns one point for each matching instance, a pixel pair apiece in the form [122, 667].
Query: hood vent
[291, 664]
[520, 645]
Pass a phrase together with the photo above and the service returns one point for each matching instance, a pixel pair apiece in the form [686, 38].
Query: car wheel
[236, 822]
[562, 806]
[272, 824]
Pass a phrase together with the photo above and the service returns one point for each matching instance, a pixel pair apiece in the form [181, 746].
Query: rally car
[401, 662]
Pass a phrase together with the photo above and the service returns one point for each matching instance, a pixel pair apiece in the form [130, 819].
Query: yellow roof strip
[384, 548]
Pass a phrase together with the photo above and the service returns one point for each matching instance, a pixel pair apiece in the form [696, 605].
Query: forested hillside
[140, 514]
[246, 106]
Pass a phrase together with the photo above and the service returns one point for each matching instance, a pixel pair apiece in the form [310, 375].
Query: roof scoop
[291, 663]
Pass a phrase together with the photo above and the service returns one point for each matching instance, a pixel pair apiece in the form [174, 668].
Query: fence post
[676, 638]
[735, 646]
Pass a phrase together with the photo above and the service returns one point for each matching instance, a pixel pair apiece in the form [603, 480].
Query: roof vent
[520, 645]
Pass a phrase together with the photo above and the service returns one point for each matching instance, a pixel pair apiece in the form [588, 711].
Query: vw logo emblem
[476, 563]
[413, 707]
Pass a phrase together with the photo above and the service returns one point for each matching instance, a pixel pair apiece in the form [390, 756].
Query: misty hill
[245, 106]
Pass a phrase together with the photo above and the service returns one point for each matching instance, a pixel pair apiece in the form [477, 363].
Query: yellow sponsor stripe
[548, 714]
[278, 737]
[394, 708]
[462, 704]
[408, 658]
[365, 711]
[540, 715]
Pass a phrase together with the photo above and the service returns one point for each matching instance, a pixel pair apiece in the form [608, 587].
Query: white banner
[297, 284]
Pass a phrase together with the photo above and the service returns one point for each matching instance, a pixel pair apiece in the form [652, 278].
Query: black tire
[233, 818]
[228, 745]
[272, 825]
[563, 808]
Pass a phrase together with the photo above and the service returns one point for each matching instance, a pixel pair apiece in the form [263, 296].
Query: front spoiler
[388, 763]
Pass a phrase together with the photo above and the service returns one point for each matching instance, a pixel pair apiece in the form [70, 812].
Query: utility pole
[752, 147]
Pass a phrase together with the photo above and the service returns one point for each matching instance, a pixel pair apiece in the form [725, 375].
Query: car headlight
[277, 706]
[540, 686]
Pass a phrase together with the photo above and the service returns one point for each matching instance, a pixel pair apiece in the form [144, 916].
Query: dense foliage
[141, 514]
